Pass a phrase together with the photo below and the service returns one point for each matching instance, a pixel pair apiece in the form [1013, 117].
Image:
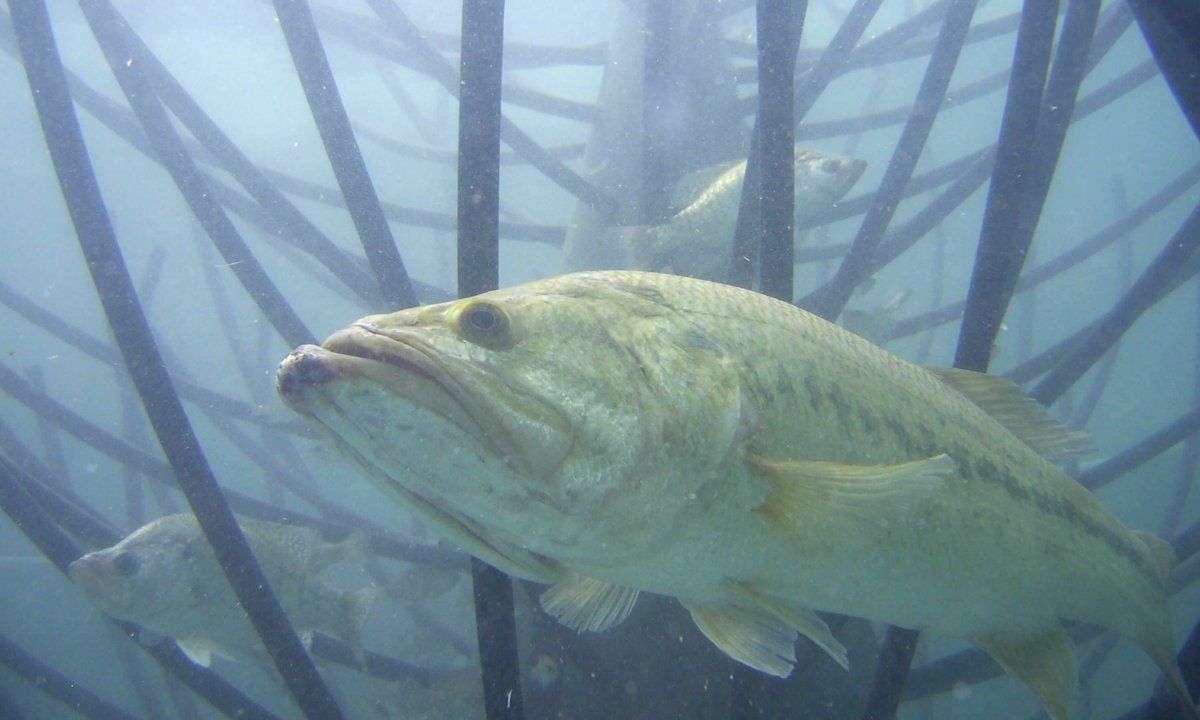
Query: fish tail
[1158, 554]
[1156, 636]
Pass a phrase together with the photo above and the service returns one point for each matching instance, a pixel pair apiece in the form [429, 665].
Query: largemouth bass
[618, 432]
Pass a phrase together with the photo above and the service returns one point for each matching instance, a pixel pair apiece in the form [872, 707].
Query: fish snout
[303, 368]
[850, 170]
[87, 573]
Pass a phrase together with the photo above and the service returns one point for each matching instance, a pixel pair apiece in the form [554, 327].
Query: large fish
[617, 432]
[165, 577]
[698, 240]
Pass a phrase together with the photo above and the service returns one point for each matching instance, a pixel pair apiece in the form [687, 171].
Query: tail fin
[1158, 552]
[1158, 643]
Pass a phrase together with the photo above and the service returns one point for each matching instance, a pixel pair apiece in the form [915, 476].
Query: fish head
[824, 178]
[545, 416]
[154, 573]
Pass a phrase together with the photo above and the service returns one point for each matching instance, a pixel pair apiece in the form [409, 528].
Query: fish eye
[126, 564]
[830, 166]
[482, 319]
[485, 323]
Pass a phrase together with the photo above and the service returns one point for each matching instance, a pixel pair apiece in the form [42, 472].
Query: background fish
[165, 577]
[698, 240]
[619, 432]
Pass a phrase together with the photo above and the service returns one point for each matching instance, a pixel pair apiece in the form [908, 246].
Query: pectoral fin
[814, 493]
[1044, 661]
[584, 603]
[802, 620]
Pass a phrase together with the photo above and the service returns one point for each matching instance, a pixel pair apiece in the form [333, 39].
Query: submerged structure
[192, 191]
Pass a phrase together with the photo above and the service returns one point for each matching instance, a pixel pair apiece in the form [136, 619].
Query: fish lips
[92, 574]
[400, 363]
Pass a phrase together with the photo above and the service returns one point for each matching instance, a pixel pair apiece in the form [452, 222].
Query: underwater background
[584, 117]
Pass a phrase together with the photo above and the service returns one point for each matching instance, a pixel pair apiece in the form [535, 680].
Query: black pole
[170, 150]
[658, 98]
[479, 271]
[1154, 283]
[1000, 255]
[835, 57]
[1172, 32]
[855, 268]
[1061, 263]
[1144, 451]
[81, 191]
[74, 336]
[58, 686]
[748, 230]
[479, 147]
[520, 141]
[1061, 93]
[312, 66]
[779, 26]
[294, 227]
[29, 515]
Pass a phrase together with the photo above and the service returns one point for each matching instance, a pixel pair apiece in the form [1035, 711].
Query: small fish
[165, 577]
[698, 240]
[875, 323]
[611, 433]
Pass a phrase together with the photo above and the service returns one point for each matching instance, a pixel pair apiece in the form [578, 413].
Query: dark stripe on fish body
[920, 441]
[1058, 506]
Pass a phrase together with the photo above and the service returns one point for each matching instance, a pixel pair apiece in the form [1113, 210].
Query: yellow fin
[815, 492]
[584, 603]
[1023, 416]
[802, 620]
[752, 636]
[1043, 661]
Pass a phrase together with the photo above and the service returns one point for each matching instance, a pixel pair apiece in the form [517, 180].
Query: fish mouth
[407, 367]
[88, 575]
[854, 169]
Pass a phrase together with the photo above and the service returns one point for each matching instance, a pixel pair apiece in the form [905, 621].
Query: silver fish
[165, 577]
[698, 240]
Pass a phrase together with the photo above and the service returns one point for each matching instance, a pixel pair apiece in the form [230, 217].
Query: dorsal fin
[1023, 416]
